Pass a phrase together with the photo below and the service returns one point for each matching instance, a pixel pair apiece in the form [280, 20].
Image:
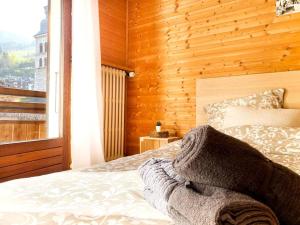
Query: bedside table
[149, 143]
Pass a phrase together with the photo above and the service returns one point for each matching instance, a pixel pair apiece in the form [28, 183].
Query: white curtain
[86, 96]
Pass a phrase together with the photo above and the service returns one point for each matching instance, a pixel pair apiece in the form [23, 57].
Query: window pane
[30, 76]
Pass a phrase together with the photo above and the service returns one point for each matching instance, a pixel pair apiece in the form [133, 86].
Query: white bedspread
[113, 198]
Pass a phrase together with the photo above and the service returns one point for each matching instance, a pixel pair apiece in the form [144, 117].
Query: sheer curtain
[86, 96]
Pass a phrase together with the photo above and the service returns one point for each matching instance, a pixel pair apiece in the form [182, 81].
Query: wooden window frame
[12, 149]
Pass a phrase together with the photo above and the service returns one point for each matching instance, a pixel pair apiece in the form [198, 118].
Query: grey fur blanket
[201, 205]
[212, 158]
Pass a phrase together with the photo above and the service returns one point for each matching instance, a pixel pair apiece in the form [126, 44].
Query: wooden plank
[67, 57]
[19, 132]
[6, 132]
[21, 168]
[23, 105]
[21, 92]
[29, 156]
[22, 147]
[14, 131]
[38, 172]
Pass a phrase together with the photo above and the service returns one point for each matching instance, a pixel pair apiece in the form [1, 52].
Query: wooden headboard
[210, 90]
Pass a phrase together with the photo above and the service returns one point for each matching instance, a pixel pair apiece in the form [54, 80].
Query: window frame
[11, 149]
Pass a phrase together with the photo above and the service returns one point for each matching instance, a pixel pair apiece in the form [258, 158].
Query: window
[24, 66]
[40, 63]
[41, 47]
[45, 62]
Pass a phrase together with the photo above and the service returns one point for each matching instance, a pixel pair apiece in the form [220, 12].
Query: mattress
[112, 193]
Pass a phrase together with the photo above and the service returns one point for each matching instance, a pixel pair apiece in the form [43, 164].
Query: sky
[21, 17]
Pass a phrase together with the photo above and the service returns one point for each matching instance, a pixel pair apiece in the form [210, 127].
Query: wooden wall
[174, 42]
[113, 21]
[14, 131]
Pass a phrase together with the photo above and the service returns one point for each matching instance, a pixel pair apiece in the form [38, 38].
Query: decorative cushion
[269, 99]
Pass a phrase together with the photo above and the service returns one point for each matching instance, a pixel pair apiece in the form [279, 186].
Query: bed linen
[107, 194]
[112, 193]
[280, 144]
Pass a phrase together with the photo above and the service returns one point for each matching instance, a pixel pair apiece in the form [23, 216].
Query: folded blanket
[160, 180]
[217, 206]
[213, 158]
[186, 204]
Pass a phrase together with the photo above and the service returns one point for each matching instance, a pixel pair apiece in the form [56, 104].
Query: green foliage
[16, 63]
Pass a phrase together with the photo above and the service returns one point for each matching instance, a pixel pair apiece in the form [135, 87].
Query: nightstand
[149, 143]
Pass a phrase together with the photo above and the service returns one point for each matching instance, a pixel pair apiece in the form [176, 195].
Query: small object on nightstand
[158, 126]
[160, 134]
[149, 143]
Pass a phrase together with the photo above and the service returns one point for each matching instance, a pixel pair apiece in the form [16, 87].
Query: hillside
[13, 42]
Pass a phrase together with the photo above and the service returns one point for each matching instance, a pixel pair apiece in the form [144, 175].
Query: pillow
[269, 99]
[239, 116]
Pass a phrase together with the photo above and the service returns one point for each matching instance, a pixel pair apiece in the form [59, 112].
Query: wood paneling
[21, 92]
[14, 131]
[174, 42]
[36, 172]
[113, 25]
[30, 159]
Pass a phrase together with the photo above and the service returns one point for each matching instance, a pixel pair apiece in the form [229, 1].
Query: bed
[112, 193]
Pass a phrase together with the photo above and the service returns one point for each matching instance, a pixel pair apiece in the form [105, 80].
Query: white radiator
[113, 87]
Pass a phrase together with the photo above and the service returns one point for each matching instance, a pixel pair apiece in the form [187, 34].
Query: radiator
[113, 87]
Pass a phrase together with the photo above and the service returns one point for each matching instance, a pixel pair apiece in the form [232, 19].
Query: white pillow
[240, 116]
[269, 99]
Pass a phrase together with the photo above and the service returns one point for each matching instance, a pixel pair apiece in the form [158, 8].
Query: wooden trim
[23, 93]
[21, 121]
[29, 146]
[125, 116]
[46, 170]
[30, 156]
[29, 166]
[67, 62]
[127, 69]
[22, 107]
[21, 110]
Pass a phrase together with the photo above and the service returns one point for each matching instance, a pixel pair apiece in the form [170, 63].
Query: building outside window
[41, 40]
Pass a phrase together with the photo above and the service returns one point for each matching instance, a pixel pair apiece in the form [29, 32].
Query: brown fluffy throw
[213, 158]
